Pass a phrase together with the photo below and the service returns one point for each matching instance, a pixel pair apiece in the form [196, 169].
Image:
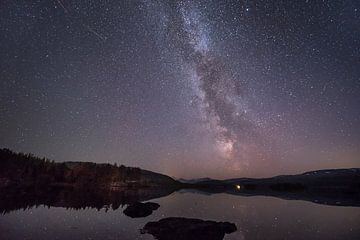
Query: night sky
[186, 88]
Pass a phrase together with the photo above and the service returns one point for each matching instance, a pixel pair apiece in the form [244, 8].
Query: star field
[188, 88]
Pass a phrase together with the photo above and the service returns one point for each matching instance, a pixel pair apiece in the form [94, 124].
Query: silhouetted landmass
[332, 187]
[194, 181]
[138, 209]
[174, 228]
[26, 170]
[28, 181]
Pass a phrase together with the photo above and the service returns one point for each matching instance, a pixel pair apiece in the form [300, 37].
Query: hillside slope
[26, 170]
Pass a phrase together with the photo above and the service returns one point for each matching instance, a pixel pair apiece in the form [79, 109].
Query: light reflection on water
[255, 218]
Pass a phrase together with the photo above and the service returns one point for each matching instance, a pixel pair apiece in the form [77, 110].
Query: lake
[256, 217]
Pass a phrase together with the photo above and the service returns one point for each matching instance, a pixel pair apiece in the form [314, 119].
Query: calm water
[255, 218]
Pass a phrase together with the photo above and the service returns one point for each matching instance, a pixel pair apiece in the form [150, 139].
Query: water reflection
[256, 217]
[14, 199]
[326, 196]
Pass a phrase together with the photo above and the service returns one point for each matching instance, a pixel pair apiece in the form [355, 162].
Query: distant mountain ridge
[325, 177]
[196, 180]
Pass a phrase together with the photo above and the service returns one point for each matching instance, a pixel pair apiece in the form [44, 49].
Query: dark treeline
[24, 170]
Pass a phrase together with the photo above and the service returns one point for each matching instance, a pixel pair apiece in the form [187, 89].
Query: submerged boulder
[137, 210]
[188, 228]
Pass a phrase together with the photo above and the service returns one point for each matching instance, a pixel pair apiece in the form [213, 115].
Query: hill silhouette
[26, 170]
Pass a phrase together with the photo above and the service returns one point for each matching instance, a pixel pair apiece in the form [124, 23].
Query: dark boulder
[187, 228]
[137, 210]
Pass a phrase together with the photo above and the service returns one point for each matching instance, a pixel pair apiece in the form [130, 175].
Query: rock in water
[137, 210]
[188, 228]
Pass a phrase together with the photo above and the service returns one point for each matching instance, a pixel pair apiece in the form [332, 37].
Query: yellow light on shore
[238, 187]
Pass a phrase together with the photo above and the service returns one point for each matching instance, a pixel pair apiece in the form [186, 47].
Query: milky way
[187, 88]
[218, 96]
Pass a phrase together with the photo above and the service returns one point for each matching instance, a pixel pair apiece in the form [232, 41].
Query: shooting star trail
[91, 30]
[101, 37]
[62, 6]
